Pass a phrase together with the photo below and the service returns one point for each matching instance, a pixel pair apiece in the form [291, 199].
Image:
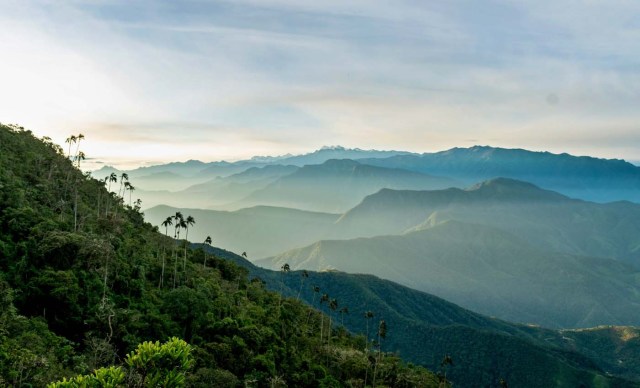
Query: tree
[78, 138]
[124, 177]
[112, 178]
[323, 298]
[151, 365]
[131, 190]
[444, 364]
[333, 306]
[382, 333]
[190, 221]
[368, 315]
[343, 311]
[207, 241]
[80, 157]
[166, 223]
[179, 223]
[71, 139]
[304, 275]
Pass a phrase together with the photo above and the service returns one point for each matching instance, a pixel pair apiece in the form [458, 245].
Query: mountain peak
[512, 187]
[332, 148]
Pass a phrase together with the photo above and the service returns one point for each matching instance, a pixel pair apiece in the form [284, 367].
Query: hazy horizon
[153, 82]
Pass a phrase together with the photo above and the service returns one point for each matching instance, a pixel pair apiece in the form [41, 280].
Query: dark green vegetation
[82, 285]
[484, 349]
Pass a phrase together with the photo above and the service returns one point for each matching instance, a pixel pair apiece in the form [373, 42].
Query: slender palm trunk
[184, 260]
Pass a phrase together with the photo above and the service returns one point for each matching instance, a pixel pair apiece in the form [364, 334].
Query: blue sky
[150, 81]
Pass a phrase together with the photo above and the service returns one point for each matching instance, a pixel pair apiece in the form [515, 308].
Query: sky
[156, 81]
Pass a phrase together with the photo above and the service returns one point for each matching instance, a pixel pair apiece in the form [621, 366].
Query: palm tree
[304, 275]
[333, 305]
[367, 316]
[177, 217]
[71, 139]
[323, 298]
[179, 224]
[446, 361]
[343, 311]
[78, 138]
[131, 190]
[166, 223]
[123, 177]
[207, 241]
[80, 157]
[382, 333]
[190, 221]
[316, 291]
[112, 178]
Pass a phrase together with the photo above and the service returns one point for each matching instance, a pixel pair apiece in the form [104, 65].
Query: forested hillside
[84, 280]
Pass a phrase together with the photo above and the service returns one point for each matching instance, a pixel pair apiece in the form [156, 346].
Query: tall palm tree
[367, 316]
[71, 139]
[382, 333]
[131, 190]
[207, 241]
[304, 275]
[343, 311]
[80, 157]
[177, 217]
[179, 224]
[78, 138]
[316, 291]
[190, 221]
[323, 298]
[166, 223]
[333, 306]
[124, 177]
[112, 178]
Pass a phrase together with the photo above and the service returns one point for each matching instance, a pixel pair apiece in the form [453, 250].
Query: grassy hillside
[84, 280]
[489, 271]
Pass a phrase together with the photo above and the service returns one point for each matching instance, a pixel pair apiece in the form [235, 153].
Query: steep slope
[84, 280]
[259, 231]
[542, 218]
[601, 180]
[423, 328]
[337, 185]
[489, 271]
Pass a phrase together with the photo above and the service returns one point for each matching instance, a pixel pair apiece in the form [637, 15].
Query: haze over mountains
[493, 245]
[506, 247]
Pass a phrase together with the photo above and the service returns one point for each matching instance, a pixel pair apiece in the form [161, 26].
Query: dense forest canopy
[84, 282]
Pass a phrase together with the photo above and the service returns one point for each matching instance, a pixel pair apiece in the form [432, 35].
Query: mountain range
[84, 280]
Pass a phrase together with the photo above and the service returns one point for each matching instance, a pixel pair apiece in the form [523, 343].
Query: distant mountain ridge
[487, 270]
[543, 218]
[585, 177]
[336, 185]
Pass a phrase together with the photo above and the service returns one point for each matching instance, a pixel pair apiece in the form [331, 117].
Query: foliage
[82, 284]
